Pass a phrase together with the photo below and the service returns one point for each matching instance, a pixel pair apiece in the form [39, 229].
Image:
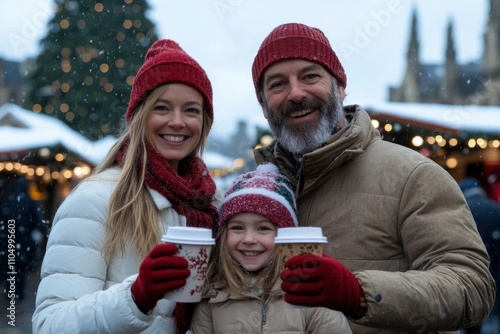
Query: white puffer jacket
[79, 292]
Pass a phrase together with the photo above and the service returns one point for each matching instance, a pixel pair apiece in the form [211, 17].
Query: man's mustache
[289, 107]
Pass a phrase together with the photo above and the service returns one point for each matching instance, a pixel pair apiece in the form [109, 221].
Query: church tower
[491, 58]
[450, 93]
[409, 89]
[490, 95]
[476, 83]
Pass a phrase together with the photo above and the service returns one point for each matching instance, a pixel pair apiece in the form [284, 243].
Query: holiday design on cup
[194, 244]
[197, 265]
[295, 241]
[289, 250]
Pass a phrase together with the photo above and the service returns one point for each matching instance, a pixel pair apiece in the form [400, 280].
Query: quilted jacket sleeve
[448, 285]
[322, 320]
[72, 296]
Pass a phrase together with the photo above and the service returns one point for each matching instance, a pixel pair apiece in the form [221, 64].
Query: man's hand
[311, 280]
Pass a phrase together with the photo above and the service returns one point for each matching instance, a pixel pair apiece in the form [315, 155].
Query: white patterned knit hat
[264, 191]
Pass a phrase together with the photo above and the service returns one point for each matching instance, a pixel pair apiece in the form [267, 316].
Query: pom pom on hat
[296, 41]
[264, 191]
[167, 62]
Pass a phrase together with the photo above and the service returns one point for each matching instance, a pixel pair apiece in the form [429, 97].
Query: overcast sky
[370, 38]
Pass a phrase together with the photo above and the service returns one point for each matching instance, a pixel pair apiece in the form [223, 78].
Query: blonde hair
[224, 271]
[132, 214]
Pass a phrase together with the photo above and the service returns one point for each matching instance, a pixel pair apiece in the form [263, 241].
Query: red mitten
[159, 273]
[311, 280]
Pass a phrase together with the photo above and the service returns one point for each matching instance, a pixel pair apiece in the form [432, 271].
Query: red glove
[160, 272]
[311, 280]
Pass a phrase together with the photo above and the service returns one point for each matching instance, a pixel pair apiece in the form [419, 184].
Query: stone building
[452, 83]
[13, 85]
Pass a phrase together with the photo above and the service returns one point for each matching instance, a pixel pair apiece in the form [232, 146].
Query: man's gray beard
[303, 139]
[307, 137]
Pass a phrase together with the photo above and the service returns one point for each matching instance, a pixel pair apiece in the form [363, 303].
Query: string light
[59, 157]
[236, 166]
[417, 141]
[80, 171]
[440, 140]
[451, 163]
[98, 7]
[64, 24]
[104, 68]
[127, 24]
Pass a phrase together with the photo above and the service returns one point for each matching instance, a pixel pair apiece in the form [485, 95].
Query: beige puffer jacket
[223, 312]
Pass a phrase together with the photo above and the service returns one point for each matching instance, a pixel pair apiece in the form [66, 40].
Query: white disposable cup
[293, 241]
[194, 244]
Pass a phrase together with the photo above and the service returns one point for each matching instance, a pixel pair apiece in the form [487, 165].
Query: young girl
[105, 269]
[242, 292]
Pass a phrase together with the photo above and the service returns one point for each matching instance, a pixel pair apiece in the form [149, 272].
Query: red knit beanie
[166, 62]
[263, 191]
[296, 41]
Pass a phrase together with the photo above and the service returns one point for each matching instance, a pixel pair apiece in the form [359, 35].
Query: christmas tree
[88, 61]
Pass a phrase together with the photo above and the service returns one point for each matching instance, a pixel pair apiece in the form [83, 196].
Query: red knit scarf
[190, 191]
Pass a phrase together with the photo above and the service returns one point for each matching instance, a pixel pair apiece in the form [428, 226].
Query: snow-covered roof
[22, 130]
[215, 160]
[457, 118]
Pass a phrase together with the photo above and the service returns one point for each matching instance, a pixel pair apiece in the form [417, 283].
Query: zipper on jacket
[265, 307]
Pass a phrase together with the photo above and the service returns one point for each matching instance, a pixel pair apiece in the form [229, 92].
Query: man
[405, 253]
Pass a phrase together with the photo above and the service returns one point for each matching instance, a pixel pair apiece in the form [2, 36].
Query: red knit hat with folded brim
[296, 41]
[264, 191]
[166, 62]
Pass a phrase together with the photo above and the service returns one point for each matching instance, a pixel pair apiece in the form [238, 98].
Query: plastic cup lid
[300, 235]
[188, 235]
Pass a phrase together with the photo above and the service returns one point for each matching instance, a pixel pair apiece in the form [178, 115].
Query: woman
[104, 270]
